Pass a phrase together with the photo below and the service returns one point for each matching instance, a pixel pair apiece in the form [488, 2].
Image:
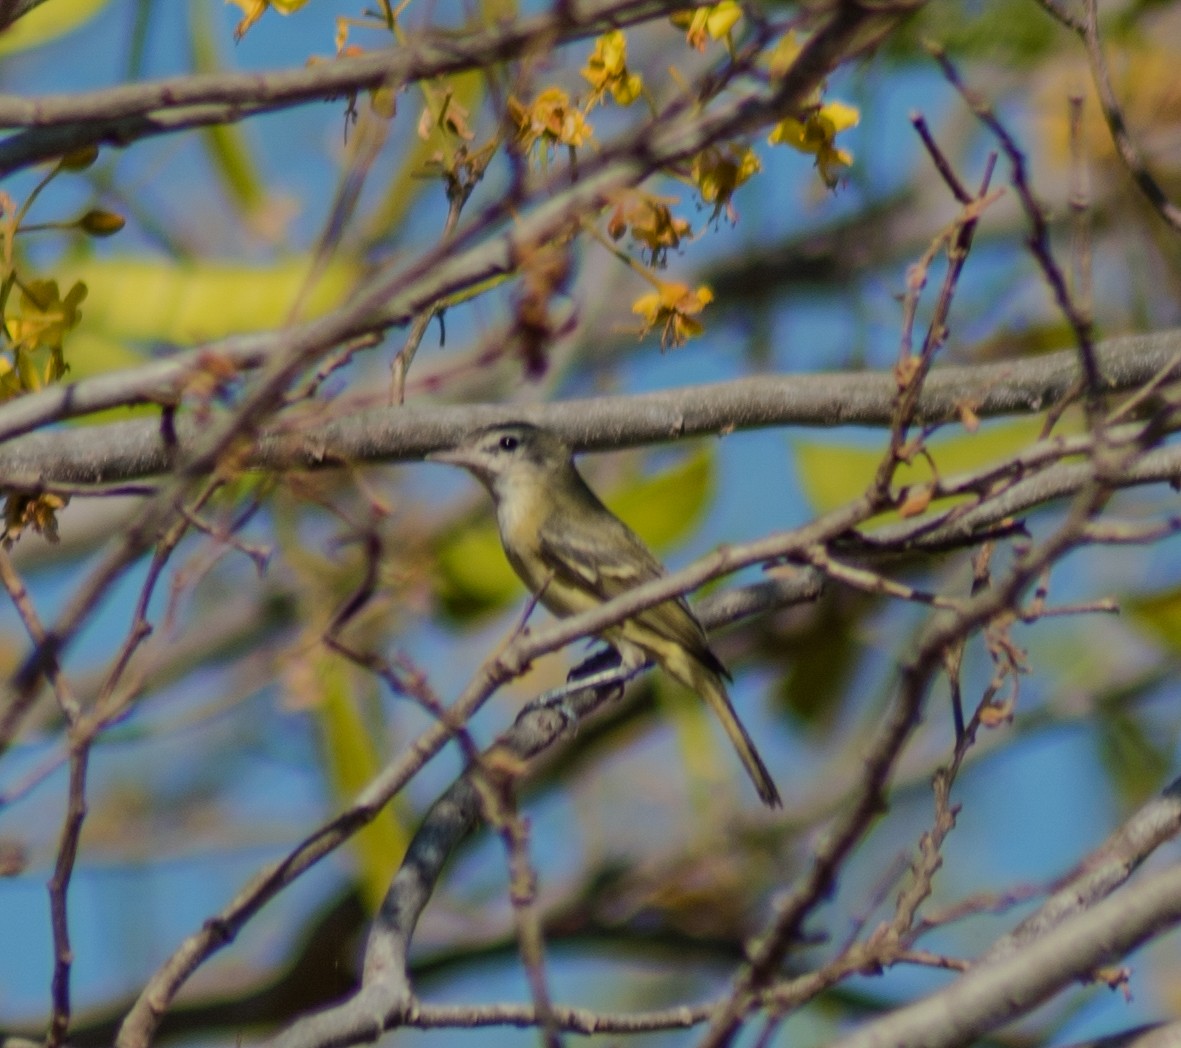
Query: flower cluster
[606, 71]
[650, 221]
[814, 130]
[36, 333]
[718, 172]
[551, 119]
[674, 308]
[703, 24]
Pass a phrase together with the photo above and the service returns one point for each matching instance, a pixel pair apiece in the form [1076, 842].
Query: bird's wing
[602, 556]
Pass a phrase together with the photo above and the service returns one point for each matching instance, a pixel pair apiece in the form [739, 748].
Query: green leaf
[48, 22]
[1000, 31]
[833, 474]
[1159, 614]
[666, 508]
[352, 761]
[473, 577]
[1137, 759]
[821, 660]
[227, 144]
[154, 299]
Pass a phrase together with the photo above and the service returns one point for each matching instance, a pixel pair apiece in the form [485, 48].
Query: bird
[574, 554]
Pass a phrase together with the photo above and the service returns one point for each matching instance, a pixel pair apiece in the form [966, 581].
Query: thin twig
[1125, 145]
[1038, 242]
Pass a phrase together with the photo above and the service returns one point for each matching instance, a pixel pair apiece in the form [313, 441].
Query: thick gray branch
[1101, 872]
[128, 450]
[386, 998]
[54, 124]
[993, 994]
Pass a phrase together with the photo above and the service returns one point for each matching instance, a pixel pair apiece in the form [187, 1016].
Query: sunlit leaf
[473, 575]
[832, 474]
[227, 144]
[164, 300]
[352, 759]
[666, 508]
[1159, 613]
[48, 22]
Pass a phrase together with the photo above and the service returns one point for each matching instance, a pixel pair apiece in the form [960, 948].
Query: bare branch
[56, 124]
[129, 450]
[1125, 145]
[1100, 873]
[450, 819]
[994, 993]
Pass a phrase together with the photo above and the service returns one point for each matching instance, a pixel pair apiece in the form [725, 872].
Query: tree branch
[995, 993]
[129, 450]
[55, 124]
[386, 985]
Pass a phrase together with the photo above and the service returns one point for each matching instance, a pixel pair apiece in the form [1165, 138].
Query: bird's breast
[520, 514]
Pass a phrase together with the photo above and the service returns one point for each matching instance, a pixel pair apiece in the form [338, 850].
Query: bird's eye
[508, 443]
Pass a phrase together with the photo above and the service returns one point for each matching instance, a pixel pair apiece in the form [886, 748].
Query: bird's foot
[559, 698]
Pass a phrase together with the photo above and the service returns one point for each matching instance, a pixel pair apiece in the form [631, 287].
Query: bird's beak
[465, 457]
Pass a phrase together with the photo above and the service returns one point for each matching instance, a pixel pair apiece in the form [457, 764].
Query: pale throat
[521, 506]
[524, 501]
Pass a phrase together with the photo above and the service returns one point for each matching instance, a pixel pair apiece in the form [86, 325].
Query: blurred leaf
[1144, 81]
[161, 300]
[702, 747]
[822, 658]
[1001, 30]
[1159, 613]
[48, 22]
[474, 578]
[352, 760]
[666, 508]
[834, 474]
[1136, 759]
[473, 575]
[1029, 340]
[227, 144]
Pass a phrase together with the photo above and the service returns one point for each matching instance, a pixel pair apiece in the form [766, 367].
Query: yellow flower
[708, 23]
[253, 11]
[606, 70]
[36, 334]
[36, 511]
[45, 318]
[719, 172]
[674, 307]
[650, 221]
[816, 134]
[550, 119]
[784, 53]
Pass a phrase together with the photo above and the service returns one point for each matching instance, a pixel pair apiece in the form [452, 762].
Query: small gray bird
[568, 547]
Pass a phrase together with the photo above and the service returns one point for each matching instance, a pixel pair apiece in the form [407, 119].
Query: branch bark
[995, 993]
[141, 448]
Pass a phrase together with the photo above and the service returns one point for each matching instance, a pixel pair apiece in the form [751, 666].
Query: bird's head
[509, 453]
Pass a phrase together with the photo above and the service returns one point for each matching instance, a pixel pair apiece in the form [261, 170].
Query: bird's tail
[709, 686]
